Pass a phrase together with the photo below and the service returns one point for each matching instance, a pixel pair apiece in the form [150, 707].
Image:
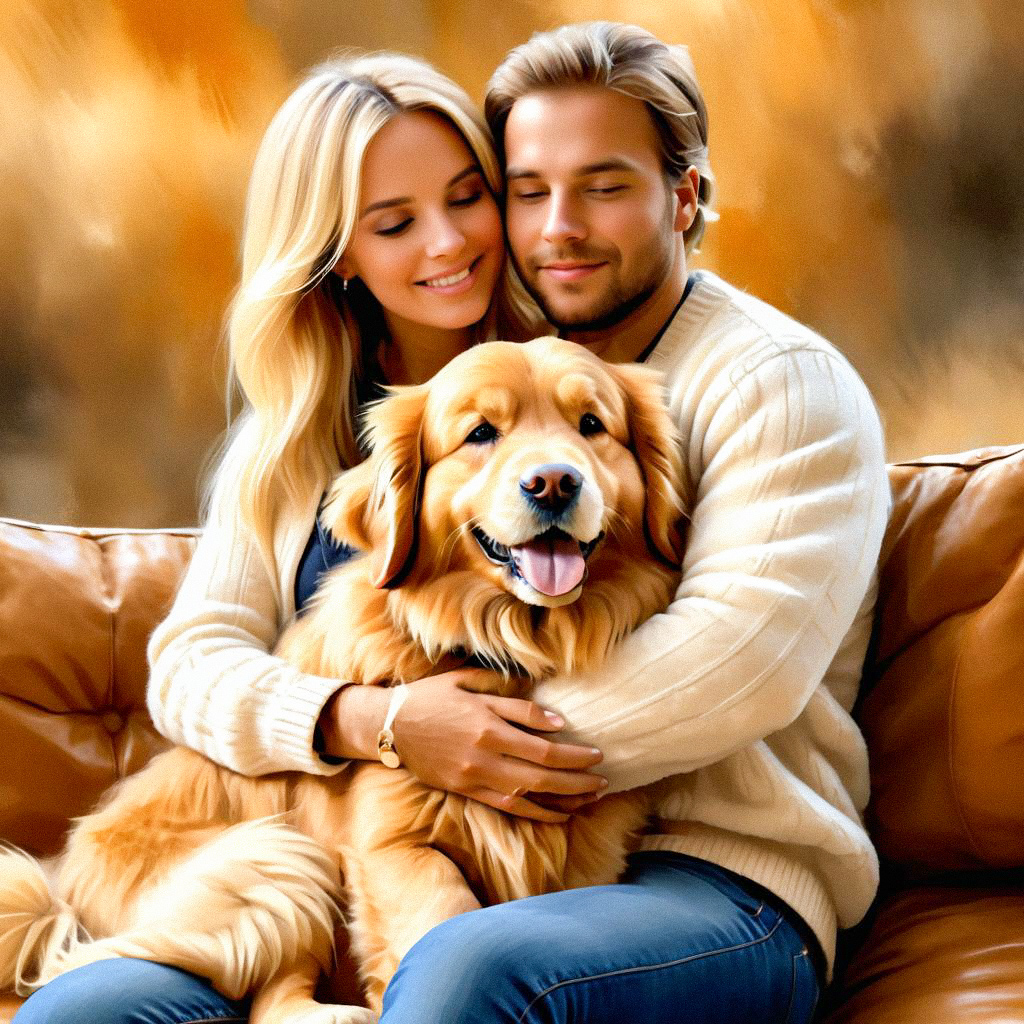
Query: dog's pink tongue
[552, 566]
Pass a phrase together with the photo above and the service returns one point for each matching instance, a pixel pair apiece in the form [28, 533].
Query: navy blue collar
[645, 355]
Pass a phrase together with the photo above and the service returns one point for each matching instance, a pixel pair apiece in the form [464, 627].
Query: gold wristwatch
[386, 737]
[386, 749]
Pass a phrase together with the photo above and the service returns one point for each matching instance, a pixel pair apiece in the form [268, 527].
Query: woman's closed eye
[468, 190]
[395, 229]
[459, 201]
[467, 200]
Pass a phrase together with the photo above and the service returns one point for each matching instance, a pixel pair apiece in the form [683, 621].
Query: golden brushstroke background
[869, 155]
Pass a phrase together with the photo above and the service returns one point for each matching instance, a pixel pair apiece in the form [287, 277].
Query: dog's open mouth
[553, 563]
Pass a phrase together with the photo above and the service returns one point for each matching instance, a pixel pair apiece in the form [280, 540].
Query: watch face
[389, 758]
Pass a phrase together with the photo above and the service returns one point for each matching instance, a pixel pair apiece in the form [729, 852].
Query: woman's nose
[445, 237]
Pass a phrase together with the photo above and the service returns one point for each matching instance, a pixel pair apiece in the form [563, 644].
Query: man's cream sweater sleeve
[792, 501]
[214, 686]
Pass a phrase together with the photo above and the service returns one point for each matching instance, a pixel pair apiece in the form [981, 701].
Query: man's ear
[687, 192]
[655, 442]
[394, 428]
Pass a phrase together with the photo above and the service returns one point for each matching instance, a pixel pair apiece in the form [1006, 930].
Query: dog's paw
[326, 1014]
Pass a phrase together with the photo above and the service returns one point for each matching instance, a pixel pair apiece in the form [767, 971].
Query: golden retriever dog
[524, 506]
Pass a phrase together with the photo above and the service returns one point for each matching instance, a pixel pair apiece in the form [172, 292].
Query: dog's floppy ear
[344, 508]
[655, 442]
[393, 428]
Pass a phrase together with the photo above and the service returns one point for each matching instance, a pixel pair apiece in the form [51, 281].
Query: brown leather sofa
[942, 708]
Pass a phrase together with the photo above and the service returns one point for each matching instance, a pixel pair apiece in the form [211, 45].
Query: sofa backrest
[76, 609]
[941, 704]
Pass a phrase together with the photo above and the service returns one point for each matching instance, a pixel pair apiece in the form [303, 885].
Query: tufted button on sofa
[942, 708]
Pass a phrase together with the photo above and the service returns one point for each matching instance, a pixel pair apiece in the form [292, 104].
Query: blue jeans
[677, 939]
[129, 992]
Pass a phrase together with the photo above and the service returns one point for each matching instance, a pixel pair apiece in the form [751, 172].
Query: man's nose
[563, 220]
[552, 486]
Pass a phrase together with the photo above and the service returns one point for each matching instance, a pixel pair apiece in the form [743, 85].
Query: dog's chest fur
[357, 632]
[501, 856]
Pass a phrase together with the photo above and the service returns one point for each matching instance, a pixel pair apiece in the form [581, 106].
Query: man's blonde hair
[631, 61]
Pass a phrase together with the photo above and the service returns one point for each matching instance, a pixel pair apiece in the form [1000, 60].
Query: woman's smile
[454, 282]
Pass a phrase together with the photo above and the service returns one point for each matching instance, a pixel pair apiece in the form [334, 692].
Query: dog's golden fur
[238, 879]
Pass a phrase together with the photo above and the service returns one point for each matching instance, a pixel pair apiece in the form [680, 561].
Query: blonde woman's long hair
[297, 342]
[632, 61]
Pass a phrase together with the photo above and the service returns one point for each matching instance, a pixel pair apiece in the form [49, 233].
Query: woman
[372, 249]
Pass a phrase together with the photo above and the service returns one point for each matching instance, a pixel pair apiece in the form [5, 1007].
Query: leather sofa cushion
[76, 607]
[938, 955]
[943, 694]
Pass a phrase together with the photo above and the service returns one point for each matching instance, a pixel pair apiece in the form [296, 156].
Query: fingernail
[554, 719]
[603, 784]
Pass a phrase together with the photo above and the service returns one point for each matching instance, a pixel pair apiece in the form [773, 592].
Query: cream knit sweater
[735, 701]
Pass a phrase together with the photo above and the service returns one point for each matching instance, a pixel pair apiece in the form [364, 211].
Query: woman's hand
[476, 744]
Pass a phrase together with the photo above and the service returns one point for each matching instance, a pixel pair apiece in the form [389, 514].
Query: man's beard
[613, 312]
[611, 308]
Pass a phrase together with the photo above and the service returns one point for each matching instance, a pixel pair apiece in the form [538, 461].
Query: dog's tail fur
[258, 896]
[37, 930]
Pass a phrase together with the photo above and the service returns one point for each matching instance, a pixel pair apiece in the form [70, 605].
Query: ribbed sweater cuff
[294, 720]
[767, 865]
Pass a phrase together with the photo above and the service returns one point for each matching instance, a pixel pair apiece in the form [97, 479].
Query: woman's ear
[655, 442]
[344, 268]
[394, 427]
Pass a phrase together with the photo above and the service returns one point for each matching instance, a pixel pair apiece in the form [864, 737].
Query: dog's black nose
[552, 486]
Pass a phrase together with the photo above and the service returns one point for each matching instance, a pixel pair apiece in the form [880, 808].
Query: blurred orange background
[870, 181]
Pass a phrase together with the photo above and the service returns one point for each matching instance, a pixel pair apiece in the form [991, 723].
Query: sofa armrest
[943, 697]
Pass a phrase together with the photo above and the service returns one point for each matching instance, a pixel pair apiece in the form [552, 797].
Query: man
[737, 700]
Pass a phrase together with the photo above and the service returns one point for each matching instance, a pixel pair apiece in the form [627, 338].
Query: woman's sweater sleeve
[792, 504]
[214, 685]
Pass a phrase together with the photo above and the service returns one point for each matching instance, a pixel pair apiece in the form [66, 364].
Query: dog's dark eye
[482, 434]
[590, 424]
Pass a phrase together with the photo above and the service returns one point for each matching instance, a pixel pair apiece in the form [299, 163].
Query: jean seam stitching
[817, 988]
[793, 984]
[649, 967]
[214, 1020]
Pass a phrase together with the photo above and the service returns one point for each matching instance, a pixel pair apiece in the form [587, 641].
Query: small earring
[344, 284]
